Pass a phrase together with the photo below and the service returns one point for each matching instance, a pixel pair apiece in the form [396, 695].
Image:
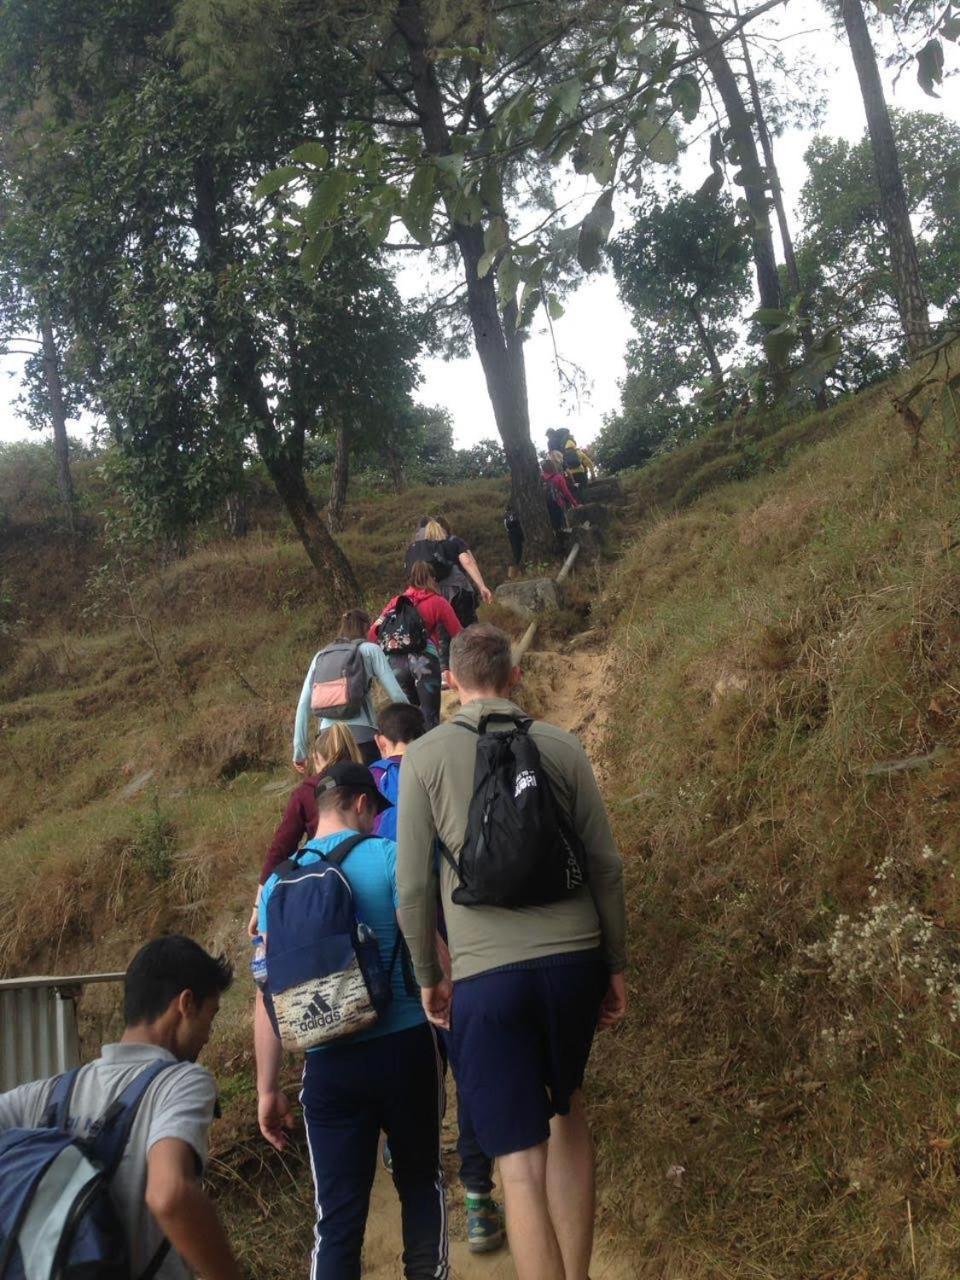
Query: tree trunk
[911, 301]
[764, 257]
[338, 480]
[776, 190]
[499, 344]
[709, 350]
[236, 360]
[398, 477]
[58, 417]
[235, 517]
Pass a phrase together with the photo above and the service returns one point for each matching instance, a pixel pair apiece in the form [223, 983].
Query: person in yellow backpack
[577, 463]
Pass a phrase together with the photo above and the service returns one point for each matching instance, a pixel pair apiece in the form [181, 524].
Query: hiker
[537, 949]
[337, 688]
[385, 1076]
[558, 495]
[300, 816]
[146, 1103]
[511, 522]
[576, 463]
[454, 566]
[398, 724]
[398, 727]
[414, 631]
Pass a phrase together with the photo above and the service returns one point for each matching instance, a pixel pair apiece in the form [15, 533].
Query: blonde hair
[433, 531]
[333, 745]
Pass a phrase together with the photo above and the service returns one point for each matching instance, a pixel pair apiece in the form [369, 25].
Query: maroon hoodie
[299, 820]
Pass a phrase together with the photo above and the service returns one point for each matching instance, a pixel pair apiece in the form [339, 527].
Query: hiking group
[564, 473]
[457, 901]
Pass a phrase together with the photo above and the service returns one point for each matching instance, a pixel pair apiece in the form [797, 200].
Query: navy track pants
[351, 1092]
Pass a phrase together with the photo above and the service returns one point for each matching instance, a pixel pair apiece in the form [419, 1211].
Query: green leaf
[657, 140]
[418, 206]
[377, 225]
[554, 307]
[485, 263]
[326, 200]
[594, 232]
[495, 235]
[529, 301]
[508, 278]
[778, 344]
[770, 316]
[567, 95]
[315, 251]
[685, 96]
[274, 180]
[594, 155]
[930, 67]
[543, 137]
[451, 166]
[314, 153]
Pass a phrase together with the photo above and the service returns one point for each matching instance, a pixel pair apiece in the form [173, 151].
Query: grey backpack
[339, 681]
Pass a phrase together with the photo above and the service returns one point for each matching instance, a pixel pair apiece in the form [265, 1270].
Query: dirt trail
[568, 691]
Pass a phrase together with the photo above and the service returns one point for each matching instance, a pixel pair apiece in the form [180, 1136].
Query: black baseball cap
[350, 774]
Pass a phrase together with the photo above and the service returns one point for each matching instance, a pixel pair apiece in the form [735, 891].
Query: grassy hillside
[780, 746]
[783, 758]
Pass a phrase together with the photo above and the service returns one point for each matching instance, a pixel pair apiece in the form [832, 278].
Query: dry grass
[777, 641]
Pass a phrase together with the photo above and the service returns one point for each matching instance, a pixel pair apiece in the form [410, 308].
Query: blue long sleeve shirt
[377, 668]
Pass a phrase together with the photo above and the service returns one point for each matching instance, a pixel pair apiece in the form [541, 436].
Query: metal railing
[38, 1025]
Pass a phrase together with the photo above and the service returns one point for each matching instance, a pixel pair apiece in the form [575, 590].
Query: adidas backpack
[432, 553]
[325, 978]
[402, 630]
[339, 681]
[57, 1217]
[518, 849]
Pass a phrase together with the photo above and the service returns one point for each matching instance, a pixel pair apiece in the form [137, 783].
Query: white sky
[595, 329]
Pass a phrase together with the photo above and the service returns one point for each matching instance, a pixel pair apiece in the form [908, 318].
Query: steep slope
[770, 694]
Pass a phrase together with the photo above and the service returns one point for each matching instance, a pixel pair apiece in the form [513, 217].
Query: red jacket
[299, 820]
[432, 608]
[562, 493]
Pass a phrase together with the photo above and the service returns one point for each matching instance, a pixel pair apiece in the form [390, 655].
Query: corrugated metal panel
[38, 1026]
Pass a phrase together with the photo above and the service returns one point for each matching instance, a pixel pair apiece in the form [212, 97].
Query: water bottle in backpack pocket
[325, 976]
[57, 1217]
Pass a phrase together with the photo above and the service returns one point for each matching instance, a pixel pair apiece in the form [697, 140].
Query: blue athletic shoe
[485, 1226]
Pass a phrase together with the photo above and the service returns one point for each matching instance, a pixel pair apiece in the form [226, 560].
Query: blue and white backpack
[57, 1217]
[325, 977]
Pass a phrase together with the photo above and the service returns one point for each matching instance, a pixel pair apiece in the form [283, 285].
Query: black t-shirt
[454, 548]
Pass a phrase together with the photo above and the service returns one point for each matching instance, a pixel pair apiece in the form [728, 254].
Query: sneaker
[485, 1226]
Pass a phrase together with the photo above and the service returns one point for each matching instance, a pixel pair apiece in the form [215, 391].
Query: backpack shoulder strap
[57, 1110]
[343, 850]
[113, 1131]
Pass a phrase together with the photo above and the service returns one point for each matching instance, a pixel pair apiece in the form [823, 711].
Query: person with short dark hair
[386, 1077]
[530, 986]
[354, 625]
[171, 994]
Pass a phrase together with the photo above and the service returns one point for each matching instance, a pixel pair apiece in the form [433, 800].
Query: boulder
[605, 490]
[529, 596]
[592, 515]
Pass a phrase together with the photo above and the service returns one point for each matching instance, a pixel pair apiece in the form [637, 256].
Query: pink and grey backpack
[339, 681]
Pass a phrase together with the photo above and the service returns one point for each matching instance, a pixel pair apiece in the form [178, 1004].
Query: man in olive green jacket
[529, 985]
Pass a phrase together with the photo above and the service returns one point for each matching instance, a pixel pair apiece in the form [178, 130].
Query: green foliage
[154, 841]
[843, 250]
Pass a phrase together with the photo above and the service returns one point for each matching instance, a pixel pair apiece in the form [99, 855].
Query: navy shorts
[520, 1039]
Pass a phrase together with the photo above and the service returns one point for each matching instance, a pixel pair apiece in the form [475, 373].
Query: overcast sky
[595, 329]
